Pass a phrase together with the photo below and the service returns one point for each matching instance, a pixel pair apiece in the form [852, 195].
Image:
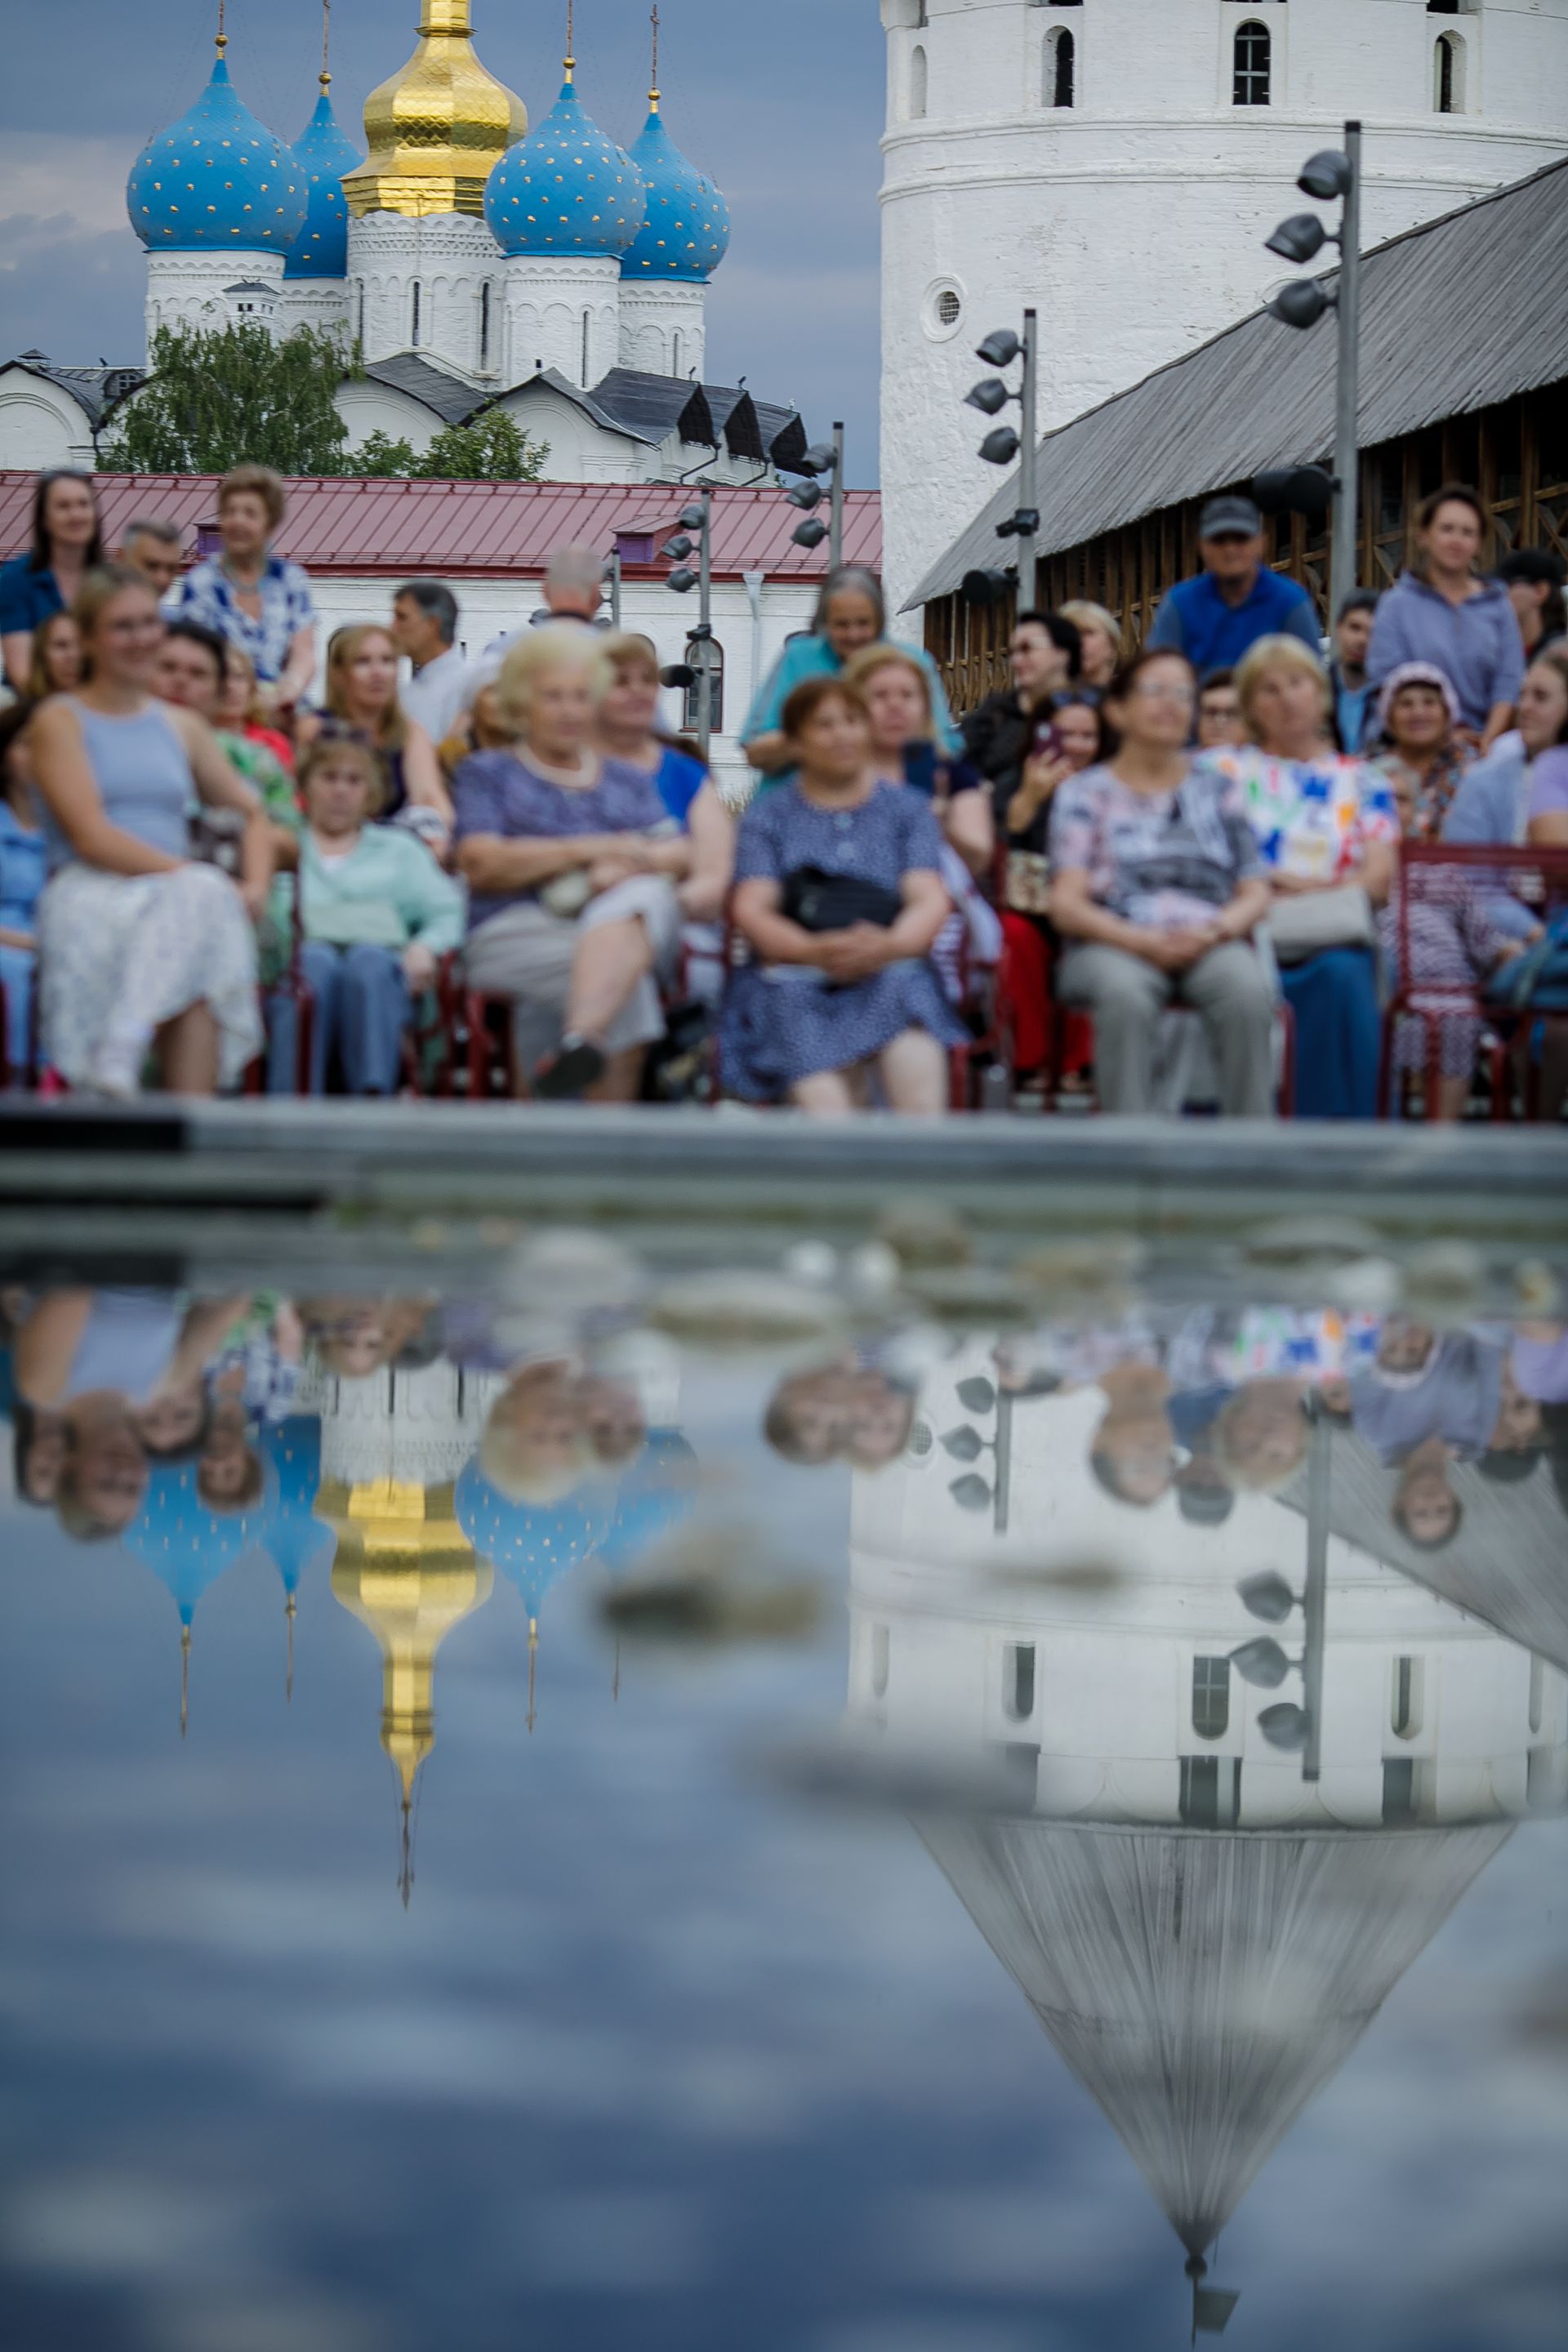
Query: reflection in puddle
[1214, 1652]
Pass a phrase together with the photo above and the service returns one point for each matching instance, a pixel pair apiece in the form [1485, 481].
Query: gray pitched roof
[1204, 1986]
[453, 401]
[1262, 394]
[97, 388]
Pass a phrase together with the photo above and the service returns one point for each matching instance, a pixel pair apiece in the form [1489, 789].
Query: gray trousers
[1230, 987]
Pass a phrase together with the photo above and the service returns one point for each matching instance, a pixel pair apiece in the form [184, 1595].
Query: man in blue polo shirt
[1235, 599]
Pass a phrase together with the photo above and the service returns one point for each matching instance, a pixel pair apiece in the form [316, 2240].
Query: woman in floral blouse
[1324, 823]
[1425, 760]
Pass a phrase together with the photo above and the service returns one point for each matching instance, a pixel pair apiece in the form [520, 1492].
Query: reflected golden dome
[405, 1568]
[437, 129]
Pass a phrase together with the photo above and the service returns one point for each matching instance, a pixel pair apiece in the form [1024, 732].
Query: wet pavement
[904, 1791]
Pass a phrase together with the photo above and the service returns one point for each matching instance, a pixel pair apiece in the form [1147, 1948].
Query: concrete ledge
[290, 1159]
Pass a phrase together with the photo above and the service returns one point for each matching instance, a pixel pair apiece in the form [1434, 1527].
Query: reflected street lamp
[1262, 1663]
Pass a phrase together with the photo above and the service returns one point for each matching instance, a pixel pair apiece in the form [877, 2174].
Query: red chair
[1439, 874]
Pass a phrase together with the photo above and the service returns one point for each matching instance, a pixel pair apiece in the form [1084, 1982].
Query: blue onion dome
[186, 1543]
[567, 191]
[293, 1538]
[323, 154]
[217, 178]
[686, 232]
[657, 1495]
[533, 1545]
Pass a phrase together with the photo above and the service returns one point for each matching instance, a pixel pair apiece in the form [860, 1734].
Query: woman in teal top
[376, 913]
[851, 614]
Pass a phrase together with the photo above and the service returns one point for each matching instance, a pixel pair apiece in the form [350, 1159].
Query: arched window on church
[1448, 75]
[485, 325]
[675, 353]
[414, 321]
[920, 85]
[704, 653]
[1058, 77]
[587, 331]
[1254, 65]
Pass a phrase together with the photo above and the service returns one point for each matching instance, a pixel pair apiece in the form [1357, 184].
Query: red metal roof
[493, 530]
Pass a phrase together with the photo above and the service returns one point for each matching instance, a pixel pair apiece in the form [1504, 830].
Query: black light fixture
[1327, 175]
[1001, 349]
[1001, 447]
[693, 517]
[806, 494]
[1266, 1596]
[1295, 489]
[810, 533]
[1301, 303]
[1300, 238]
[1286, 1727]
[990, 396]
[678, 550]
[1262, 1663]
[682, 580]
[820, 458]
[984, 587]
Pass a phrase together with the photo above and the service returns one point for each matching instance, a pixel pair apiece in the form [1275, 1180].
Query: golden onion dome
[437, 129]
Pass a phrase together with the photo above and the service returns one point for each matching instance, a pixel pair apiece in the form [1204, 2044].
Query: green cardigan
[388, 892]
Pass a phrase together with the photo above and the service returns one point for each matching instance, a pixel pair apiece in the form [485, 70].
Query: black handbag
[819, 901]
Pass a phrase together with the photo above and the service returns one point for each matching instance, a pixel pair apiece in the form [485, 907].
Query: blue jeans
[1339, 1031]
[16, 969]
[362, 1011]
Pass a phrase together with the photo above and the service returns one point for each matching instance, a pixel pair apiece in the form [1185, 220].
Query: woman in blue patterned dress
[1324, 821]
[822, 1008]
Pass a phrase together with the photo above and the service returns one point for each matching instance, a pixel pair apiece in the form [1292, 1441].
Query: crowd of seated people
[213, 873]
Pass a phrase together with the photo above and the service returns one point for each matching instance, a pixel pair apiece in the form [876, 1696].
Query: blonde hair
[99, 589]
[261, 482]
[342, 654]
[236, 662]
[559, 647]
[1083, 614]
[344, 743]
[38, 684]
[871, 660]
[1270, 654]
[629, 651]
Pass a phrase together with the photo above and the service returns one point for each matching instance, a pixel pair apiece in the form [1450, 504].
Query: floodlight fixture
[1286, 1727]
[1295, 489]
[1300, 238]
[693, 517]
[820, 458]
[1327, 175]
[1263, 1664]
[683, 580]
[1000, 349]
[999, 448]
[810, 533]
[1301, 303]
[806, 494]
[990, 396]
[678, 548]
[984, 587]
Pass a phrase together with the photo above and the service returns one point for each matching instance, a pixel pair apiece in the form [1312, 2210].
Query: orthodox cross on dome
[653, 96]
[571, 60]
[326, 73]
[222, 29]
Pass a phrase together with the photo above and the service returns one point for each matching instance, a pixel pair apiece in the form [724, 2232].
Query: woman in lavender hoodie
[1439, 612]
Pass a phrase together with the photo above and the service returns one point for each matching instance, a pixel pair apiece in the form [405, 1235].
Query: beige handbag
[1319, 920]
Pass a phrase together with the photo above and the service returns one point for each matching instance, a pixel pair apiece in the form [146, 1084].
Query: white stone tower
[1119, 162]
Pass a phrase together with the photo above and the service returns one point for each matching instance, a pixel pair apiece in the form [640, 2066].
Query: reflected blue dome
[216, 178]
[293, 1538]
[567, 191]
[686, 232]
[533, 1545]
[657, 1495]
[186, 1543]
[323, 155]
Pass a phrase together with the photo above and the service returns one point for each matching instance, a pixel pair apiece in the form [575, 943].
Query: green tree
[491, 447]
[223, 397]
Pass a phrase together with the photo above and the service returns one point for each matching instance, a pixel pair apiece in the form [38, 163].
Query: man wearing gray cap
[1235, 599]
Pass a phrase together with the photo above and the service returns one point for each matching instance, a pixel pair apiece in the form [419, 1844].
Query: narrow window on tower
[675, 353]
[1254, 48]
[1211, 1697]
[1057, 81]
[414, 322]
[704, 653]
[485, 325]
[920, 85]
[1448, 91]
[1019, 1681]
[585, 332]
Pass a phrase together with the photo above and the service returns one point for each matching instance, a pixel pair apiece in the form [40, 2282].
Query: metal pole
[835, 512]
[705, 674]
[1320, 1479]
[1347, 433]
[1028, 462]
[616, 590]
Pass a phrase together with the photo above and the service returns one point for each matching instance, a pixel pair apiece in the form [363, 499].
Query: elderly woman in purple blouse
[572, 864]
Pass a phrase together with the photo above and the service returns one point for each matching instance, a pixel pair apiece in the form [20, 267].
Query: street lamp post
[1004, 444]
[1333, 173]
[1266, 1596]
[698, 517]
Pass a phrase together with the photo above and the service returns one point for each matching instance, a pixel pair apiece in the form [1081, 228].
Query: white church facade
[1117, 163]
[469, 261]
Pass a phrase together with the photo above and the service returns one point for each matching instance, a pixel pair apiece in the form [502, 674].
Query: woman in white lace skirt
[143, 954]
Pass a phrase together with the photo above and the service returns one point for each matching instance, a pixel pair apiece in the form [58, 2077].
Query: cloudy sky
[784, 109]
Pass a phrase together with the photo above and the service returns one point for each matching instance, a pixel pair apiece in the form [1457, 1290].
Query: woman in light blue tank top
[143, 954]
